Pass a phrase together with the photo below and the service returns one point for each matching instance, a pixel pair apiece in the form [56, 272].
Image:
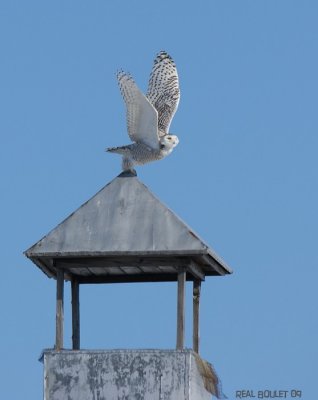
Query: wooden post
[181, 309]
[59, 309]
[75, 315]
[196, 315]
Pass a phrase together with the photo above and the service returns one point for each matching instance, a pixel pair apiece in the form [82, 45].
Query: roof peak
[129, 173]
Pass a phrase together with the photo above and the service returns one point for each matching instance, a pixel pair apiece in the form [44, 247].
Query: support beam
[59, 309]
[196, 315]
[196, 271]
[75, 315]
[181, 309]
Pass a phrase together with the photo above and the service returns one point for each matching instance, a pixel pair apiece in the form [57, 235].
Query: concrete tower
[125, 234]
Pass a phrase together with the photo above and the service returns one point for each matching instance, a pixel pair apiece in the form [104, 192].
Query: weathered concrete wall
[122, 375]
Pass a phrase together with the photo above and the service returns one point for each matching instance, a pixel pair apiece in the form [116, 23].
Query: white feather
[142, 117]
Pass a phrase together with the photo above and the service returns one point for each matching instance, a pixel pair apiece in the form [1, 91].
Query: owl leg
[127, 163]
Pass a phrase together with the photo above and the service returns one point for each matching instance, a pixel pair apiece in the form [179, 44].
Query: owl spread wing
[163, 90]
[142, 117]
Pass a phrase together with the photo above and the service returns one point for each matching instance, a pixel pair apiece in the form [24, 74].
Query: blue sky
[244, 176]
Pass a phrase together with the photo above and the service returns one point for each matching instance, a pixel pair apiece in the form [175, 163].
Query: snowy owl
[149, 117]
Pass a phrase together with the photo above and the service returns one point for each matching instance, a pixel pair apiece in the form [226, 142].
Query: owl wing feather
[163, 90]
[142, 117]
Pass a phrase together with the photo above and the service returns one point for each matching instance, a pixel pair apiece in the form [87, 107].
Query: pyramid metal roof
[124, 234]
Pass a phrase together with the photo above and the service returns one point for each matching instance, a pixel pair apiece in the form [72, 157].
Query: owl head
[168, 142]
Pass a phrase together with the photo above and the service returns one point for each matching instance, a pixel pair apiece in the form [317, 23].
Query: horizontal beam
[110, 262]
[129, 270]
[139, 278]
[150, 253]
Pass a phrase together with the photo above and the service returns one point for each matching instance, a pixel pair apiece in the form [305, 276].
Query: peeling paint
[122, 375]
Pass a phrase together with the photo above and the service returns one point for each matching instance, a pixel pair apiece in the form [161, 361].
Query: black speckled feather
[163, 90]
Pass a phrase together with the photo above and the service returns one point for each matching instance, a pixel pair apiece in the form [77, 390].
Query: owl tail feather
[118, 150]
